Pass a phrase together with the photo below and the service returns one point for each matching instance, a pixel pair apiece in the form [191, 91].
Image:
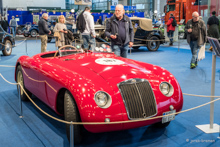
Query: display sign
[83, 2]
[109, 61]
[35, 19]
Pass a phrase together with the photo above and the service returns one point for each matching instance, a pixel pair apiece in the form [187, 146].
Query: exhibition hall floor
[37, 130]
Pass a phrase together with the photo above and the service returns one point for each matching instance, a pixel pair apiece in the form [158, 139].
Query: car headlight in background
[103, 99]
[166, 89]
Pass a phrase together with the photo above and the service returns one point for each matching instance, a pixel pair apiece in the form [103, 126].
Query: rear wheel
[153, 44]
[182, 35]
[71, 113]
[19, 31]
[33, 33]
[7, 48]
[20, 79]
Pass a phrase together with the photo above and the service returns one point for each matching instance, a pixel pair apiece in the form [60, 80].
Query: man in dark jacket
[119, 29]
[5, 24]
[196, 36]
[43, 31]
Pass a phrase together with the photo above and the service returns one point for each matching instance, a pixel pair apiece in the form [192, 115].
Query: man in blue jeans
[88, 35]
[13, 24]
[196, 36]
[119, 28]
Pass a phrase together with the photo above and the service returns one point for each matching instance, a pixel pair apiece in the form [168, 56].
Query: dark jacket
[81, 23]
[43, 27]
[68, 38]
[4, 24]
[112, 29]
[202, 32]
[213, 30]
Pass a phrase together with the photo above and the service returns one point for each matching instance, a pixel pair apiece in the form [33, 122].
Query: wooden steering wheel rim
[64, 47]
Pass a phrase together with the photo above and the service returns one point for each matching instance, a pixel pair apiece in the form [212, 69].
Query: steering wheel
[64, 47]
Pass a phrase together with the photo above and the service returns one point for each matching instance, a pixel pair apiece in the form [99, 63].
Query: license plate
[170, 117]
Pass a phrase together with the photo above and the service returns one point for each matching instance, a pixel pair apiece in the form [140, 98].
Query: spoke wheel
[7, 48]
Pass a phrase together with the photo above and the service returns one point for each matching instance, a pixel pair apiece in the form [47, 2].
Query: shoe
[192, 66]
[211, 49]
[171, 43]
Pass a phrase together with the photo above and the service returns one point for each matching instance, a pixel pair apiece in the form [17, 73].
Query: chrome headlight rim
[170, 91]
[108, 99]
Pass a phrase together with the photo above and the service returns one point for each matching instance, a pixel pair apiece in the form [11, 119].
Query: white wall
[33, 3]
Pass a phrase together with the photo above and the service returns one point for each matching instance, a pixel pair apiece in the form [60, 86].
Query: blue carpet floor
[37, 130]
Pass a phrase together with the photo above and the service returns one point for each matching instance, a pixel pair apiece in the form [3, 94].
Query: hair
[120, 5]
[195, 13]
[44, 15]
[61, 16]
[213, 12]
[87, 8]
[13, 17]
[171, 14]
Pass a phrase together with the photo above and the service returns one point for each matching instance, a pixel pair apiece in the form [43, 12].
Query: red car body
[45, 76]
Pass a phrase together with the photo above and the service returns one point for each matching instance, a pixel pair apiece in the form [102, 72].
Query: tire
[71, 113]
[153, 45]
[7, 48]
[49, 39]
[33, 33]
[19, 31]
[26, 34]
[160, 125]
[20, 79]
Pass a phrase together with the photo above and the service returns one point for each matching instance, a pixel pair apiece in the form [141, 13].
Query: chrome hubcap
[8, 47]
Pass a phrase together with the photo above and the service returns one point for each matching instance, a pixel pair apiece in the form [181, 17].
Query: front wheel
[7, 48]
[153, 44]
[20, 79]
[71, 113]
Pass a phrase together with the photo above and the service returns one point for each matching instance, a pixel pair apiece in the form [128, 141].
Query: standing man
[119, 29]
[5, 24]
[196, 36]
[13, 24]
[88, 35]
[170, 28]
[43, 31]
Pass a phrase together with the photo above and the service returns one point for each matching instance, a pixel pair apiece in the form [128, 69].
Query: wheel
[26, 34]
[182, 35]
[161, 125]
[7, 48]
[153, 45]
[20, 79]
[19, 31]
[33, 33]
[71, 113]
[49, 39]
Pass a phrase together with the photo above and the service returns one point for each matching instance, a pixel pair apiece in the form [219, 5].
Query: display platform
[37, 130]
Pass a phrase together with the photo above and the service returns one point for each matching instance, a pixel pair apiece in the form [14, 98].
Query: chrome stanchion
[26, 46]
[19, 96]
[71, 135]
[36, 38]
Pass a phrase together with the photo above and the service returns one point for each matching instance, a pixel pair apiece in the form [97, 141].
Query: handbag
[201, 54]
[57, 34]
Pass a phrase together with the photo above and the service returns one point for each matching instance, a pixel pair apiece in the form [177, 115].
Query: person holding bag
[59, 30]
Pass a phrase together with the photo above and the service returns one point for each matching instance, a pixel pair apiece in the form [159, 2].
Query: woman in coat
[61, 28]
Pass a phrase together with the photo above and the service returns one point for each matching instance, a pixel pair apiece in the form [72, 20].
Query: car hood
[109, 66]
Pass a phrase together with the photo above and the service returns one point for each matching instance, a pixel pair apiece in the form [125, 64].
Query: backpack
[81, 23]
[174, 23]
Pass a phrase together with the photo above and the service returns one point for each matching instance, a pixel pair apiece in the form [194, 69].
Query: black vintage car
[144, 35]
[7, 42]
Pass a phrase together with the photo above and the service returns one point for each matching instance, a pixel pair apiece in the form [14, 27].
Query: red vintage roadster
[100, 87]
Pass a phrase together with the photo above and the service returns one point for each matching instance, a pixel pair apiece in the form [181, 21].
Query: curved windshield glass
[69, 50]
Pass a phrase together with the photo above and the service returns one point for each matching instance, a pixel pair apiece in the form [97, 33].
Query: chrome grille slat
[136, 93]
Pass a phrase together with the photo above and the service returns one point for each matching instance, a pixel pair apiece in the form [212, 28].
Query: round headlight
[166, 89]
[102, 99]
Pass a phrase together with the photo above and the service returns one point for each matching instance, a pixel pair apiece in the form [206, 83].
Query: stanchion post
[71, 135]
[20, 102]
[130, 50]
[26, 47]
[212, 90]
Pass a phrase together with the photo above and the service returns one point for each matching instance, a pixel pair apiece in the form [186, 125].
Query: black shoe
[171, 43]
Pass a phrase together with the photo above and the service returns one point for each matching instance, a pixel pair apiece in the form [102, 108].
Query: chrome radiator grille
[139, 98]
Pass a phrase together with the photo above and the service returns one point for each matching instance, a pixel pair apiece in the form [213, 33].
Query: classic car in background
[144, 34]
[6, 42]
[100, 87]
[30, 30]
